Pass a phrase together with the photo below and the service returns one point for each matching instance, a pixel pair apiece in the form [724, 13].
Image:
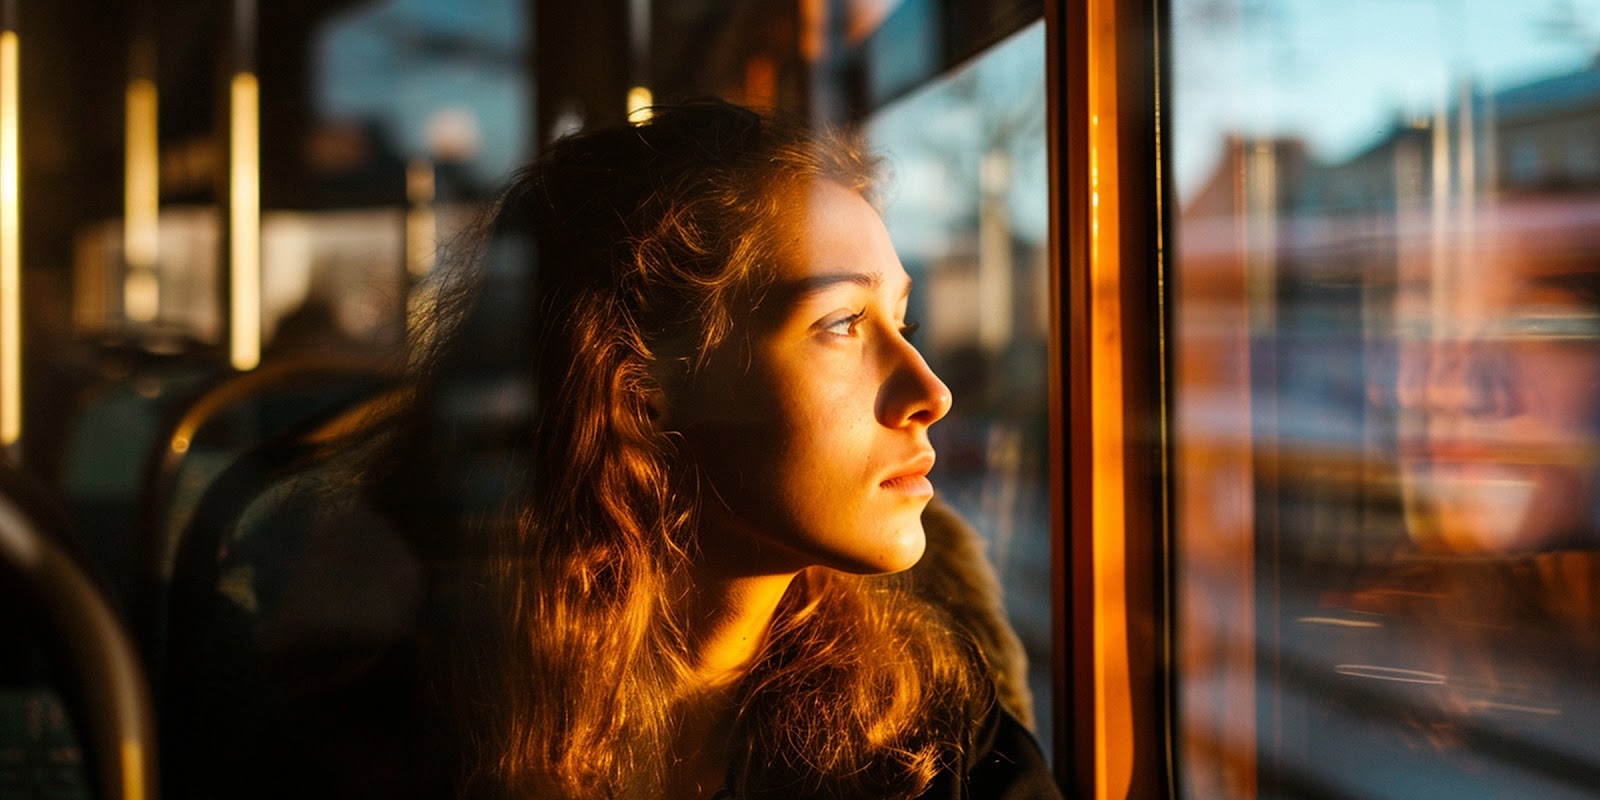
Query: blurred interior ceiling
[79, 54]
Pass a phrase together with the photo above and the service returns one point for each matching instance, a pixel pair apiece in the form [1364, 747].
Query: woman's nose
[1466, 378]
[912, 394]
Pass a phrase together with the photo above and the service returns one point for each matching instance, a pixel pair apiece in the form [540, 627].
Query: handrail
[119, 723]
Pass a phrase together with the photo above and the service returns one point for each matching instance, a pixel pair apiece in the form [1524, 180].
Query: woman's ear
[667, 380]
[657, 409]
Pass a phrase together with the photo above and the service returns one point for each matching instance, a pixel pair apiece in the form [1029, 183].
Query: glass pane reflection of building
[1387, 404]
[967, 209]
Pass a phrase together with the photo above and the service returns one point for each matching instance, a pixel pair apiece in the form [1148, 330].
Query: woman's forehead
[828, 229]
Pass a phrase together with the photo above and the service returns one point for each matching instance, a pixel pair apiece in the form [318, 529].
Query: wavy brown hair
[651, 241]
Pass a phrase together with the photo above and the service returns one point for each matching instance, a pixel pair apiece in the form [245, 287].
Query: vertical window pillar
[1116, 637]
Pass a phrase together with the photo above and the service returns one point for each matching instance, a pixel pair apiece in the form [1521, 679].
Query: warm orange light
[813, 29]
[761, 83]
[244, 221]
[10, 247]
[1113, 711]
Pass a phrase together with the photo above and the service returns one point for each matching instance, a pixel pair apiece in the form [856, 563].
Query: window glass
[420, 109]
[389, 123]
[403, 81]
[967, 208]
[1387, 363]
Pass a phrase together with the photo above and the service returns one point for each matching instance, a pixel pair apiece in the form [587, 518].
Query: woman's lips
[909, 484]
[912, 479]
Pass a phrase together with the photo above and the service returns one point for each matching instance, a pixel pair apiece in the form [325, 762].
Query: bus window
[419, 110]
[1386, 364]
[967, 209]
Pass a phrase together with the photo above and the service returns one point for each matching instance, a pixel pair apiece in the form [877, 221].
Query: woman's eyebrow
[787, 294]
[813, 284]
[804, 287]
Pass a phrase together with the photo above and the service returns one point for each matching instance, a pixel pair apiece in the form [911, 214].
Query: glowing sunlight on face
[811, 421]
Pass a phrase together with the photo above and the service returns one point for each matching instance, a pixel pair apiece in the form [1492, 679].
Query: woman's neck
[726, 615]
[730, 592]
[726, 622]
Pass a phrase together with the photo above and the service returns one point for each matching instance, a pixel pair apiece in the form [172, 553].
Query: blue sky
[1340, 73]
[934, 138]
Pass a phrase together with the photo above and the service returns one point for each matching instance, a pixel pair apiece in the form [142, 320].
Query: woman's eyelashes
[844, 327]
[849, 326]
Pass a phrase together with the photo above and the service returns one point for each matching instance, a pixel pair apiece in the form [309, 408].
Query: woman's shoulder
[1005, 764]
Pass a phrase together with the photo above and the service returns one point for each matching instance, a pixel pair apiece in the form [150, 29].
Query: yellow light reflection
[421, 220]
[10, 248]
[244, 185]
[141, 291]
[639, 102]
[141, 294]
[1113, 711]
[133, 778]
[1340, 622]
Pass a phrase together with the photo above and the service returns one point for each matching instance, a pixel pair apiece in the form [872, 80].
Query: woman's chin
[1497, 509]
[897, 550]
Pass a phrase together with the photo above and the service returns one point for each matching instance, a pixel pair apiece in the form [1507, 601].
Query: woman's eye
[845, 326]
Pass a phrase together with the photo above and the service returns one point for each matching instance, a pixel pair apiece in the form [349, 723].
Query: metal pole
[10, 231]
[244, 192]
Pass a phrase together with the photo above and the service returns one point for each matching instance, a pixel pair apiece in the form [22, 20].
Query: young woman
[695, 591]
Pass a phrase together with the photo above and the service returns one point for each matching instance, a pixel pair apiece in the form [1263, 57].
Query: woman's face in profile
[810, 421]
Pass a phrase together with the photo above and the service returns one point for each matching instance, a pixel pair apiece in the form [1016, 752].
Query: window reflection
[443, 82]
[415, 110]
[1498, 384]
[1387, 405]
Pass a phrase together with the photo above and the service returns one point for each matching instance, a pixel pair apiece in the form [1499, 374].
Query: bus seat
[224, 420]
[76, 715]
[293, 616]
[102, 460]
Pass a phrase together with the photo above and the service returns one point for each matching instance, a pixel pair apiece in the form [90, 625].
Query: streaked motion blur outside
[1387, 398]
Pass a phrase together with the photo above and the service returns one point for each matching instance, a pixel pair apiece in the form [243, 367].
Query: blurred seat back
[222, 422]
[113, 422]
[275, 678]
[78, 718]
